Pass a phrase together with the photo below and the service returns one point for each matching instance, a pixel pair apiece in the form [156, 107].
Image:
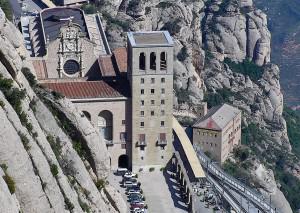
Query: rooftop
[90, 89]
[54, 18]
[217, 117]
[150, 38]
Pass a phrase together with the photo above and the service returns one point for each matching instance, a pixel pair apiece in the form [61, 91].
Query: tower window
[163, 91]
[163, 60]
[152, 102]
[162, 80]
[152, 80]
[142, 102]
[162, 112]
[142, 113]
[162, 123]
[142, 124]
[152, 113]
[152, 91]
[142, 60]
[162, 102]
[142, 80]
[153, 61]
[142, 91]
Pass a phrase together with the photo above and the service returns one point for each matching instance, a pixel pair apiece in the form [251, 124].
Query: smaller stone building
[219, 131]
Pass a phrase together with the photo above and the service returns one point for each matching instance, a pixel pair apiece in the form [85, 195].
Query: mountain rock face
[43, 169]
[214, 42]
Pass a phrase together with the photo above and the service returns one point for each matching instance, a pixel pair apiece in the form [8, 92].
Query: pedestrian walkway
[162, 192]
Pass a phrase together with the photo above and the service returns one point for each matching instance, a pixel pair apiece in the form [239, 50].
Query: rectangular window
[152, 91]
[123, 122]
[162, 137]
[123, 136]
[142, 113]
[162, 112]
[142, 124]
[142, 91]
[142, 102]
[152, 102]
[162, 80]
[152, 113]
[163, 91]
[162, 102]
[162, 123]
[142, 80]
[152, 80]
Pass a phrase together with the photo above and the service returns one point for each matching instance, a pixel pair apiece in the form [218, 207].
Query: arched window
[163, 60]
[87, 115]
[153, 61]
[142, 61]
[105, 124]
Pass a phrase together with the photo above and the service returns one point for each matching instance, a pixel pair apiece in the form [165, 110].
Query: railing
[141, 143]
[109, 142]
[252, 195]
[162, 142]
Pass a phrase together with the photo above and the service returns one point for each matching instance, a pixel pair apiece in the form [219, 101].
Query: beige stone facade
[218, 132]
[117, 118]
[150, 72]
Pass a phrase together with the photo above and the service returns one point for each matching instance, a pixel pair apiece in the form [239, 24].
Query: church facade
[126, 93]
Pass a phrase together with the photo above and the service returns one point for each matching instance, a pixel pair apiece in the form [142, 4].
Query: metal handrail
[254, 196]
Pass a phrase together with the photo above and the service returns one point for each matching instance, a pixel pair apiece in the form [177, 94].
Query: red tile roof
[90, 89]
[106, 66]
[120, 55]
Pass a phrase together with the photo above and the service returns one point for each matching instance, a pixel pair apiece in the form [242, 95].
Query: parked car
[132, 185]
[138, 210]
[133, 198]
[128, 183]
[140, 205]
[121, 171]
[130, 179]
[134, 188]
[132, 191]
[130, 175]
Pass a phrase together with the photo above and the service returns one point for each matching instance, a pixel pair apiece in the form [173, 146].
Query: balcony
[141, 143]
[109, 142]
[162, 143]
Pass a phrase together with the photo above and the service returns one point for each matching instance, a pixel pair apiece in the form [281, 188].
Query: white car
[132, 191]
[130, 175]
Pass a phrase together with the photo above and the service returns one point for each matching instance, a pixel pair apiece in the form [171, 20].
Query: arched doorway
[123, 161]
[105, 124]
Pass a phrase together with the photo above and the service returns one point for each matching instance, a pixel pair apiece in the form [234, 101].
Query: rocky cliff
[52, 159]
[223, 55]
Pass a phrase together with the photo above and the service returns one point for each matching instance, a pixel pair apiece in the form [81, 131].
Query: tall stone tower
[150, 72]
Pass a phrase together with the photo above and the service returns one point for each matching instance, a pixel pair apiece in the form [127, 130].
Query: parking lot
[161, 192]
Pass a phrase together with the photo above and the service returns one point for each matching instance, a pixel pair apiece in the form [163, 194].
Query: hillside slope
[52, 159]
[223, 55]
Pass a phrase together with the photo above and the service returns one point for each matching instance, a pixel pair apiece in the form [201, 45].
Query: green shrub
[5, 6]
[162, 169]
[100, 184]
[221, 96]
[114, 21]
[151, 169]
[55, 145]
[10, 183]
[84, 206]
[54, 170]
[24, 140]
[247, 67]
[4, 167]
[68, 204]
[89, 8]
[29, 76]
[2, 104]
[183, 54]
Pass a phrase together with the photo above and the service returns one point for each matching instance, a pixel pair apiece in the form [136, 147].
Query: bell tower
[150, 72]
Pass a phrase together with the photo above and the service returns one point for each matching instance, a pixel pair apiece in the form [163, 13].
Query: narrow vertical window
[163, 60]
[142, 61]
[153, 61]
